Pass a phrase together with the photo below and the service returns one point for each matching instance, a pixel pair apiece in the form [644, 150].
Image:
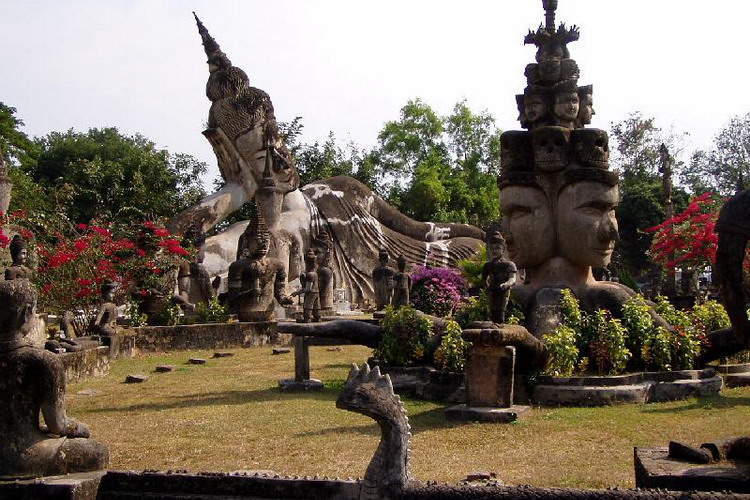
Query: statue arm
[279, 286]
[211, 210]
[512, 279]
[53, 404]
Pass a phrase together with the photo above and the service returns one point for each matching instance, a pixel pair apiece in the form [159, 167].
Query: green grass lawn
[229, 415]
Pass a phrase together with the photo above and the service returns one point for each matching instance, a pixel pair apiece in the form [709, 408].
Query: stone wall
[90, 362]
[205, 336]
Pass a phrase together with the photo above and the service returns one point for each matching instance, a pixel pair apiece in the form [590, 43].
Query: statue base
[292, 385]
[466, 413]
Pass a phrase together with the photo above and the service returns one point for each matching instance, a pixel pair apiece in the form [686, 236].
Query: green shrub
[135, 318]
[471, 268]
[656, 351]
[562, 351]
[685, 336]
[473, 309]
[711, 315]
[169, 316]
[637, 320]
[405, 336]
[213, 312]
[571, 310]
[608, 350]
[451, 355]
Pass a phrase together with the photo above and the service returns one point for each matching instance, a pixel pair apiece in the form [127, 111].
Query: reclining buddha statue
[255, 164]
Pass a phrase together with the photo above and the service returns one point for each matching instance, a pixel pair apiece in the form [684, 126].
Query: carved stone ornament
[551, 147]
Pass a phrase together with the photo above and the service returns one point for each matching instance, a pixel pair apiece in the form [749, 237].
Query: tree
[111, 176]
[15, 146]
[725, 168]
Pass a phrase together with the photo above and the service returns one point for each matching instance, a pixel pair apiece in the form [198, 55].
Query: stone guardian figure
[499, 276]
[20, 256]
[32, 382]
[326, 278]
[310, 290]
[382, 279]
[402, 284]
[106, 318]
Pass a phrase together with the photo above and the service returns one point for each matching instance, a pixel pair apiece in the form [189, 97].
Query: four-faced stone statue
[499, 276]
[382, 278]
[20, 255]
[402, 284]
[32, 382]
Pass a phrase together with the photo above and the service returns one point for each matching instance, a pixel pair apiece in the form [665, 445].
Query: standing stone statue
[32, 381]
[106, 318]
[255, 279]
[20, 256]
[325, 274]
[310, 290]
[499, 275]
[402, 284]
[193, 281]
[382, 278]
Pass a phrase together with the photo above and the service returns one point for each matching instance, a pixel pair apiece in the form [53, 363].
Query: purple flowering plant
[437, 290]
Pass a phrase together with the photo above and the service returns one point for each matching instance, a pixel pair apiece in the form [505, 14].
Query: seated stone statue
[401, 284]
[499, 276]
[32, 381]
[193, 281]
[255, 279]
[20, 255]
[382, 280]
[309, 282]
[106, 319]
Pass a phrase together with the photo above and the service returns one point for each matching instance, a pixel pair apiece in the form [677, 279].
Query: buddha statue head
[18, 251]
[18, 311]
[243, 131]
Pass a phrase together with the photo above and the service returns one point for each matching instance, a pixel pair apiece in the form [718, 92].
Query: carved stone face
[586, 111]
[527, 225]
[551, 146]
[252, 148]
[22, 257]
[569, 70]
[591, 147]
[515, 151]
[258, 247]
[586, 223]
[567, 106]
[550, 59]
[534, 108]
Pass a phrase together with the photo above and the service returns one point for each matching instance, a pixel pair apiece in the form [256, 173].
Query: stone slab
[196, 361]
[135, 379]
[164, 368]
[737, 379]
[654, 469]
[281, 350]
[486, 414]
[206, 336]
[291, 385]
[81, 486]
[737, 368]
[223, 354]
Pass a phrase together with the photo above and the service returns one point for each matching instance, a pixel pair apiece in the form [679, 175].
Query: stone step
[739, 368]
[737, 379]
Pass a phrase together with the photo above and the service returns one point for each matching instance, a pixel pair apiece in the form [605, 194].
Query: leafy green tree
[112, 176]
[15, 146]
[725, 168]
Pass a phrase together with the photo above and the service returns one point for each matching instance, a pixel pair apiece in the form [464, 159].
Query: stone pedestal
[302, 380]
[490, 368]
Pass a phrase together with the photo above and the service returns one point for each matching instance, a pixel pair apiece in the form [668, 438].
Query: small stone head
[515, 151]
[550, 59]
[586, 111]
[402, 263]
[567, 105]
[383, 257]
[496, 247]
[591, 147]
[107, 291]
[310, 260]
[551, 146]
[18, 251]
[569, 70]
[19, 308]
[535, 107]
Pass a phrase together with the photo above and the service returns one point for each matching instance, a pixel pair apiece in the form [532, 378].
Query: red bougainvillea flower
[82, 227]
[177, 250]
[84, 282]
[161, 232]
[149, 225]
[101, 230]
[80, 245]
[4, 240]
[26, 234]
[47, 288]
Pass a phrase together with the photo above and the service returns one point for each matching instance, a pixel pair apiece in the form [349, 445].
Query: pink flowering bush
[437, 290]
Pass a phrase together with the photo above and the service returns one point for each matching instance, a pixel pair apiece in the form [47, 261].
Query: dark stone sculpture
[382, 278]
[106, 319]
[193, 281]
[401, 284]
[499, 276]
[32, 380]
[20, 255]
[255, 164]
[326, 279]
[310, 290]
[256, 280]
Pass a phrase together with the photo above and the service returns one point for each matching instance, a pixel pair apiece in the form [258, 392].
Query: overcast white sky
[349, 65]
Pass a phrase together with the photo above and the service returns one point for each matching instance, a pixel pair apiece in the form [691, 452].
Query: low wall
[205, 336]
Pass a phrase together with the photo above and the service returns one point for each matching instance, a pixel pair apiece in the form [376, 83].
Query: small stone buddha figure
[255, 279]
[193, 281]
[382, 280]
[401, 284]
[32, 381]
[20, 255]
[310, 290]
[325, 274]
[499, 276]
[106, 318]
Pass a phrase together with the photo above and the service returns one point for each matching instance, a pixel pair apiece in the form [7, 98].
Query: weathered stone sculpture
[558, 196]
[310, 290]
[401, 284]
[6, 186]
[382, 279]
[499, 276]
[256, 280]
[255, 164]
[32, 380]
[193, 281]
[20, 255]
[326, 279]
[106, 318]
